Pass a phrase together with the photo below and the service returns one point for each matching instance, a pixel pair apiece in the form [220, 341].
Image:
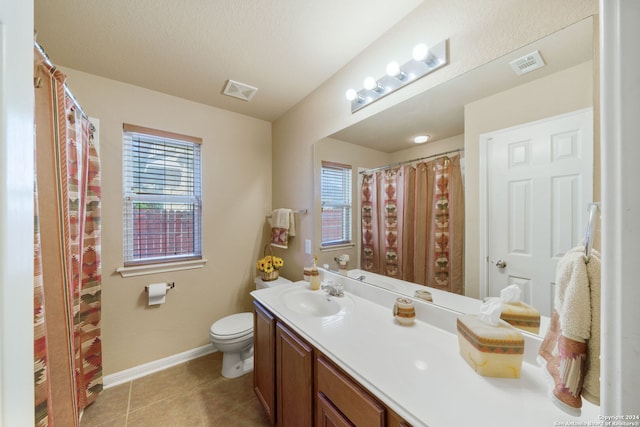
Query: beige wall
[562, 92]
[478, 32]
[236, 172]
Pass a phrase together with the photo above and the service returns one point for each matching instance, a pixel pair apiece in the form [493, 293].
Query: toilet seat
[232, 327]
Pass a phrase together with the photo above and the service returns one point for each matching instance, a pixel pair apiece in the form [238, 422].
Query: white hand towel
[591, 387]
[280, 218]
[281, 227]
[572, 344]
[292, 224]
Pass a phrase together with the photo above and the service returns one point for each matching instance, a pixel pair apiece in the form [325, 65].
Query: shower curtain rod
[67, 91]
[411, 161]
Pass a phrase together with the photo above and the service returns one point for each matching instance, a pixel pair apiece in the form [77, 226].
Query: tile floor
[188, 395]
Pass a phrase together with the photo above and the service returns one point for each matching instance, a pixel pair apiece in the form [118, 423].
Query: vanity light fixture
[353, 96]
[425, 60]
[394, 70]
[420, 52]
[421, 139]
[371, 83]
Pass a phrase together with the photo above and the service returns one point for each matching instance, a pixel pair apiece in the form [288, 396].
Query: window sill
[139, 270]
[336, 247]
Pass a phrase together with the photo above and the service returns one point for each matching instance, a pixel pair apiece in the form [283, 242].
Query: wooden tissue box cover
[492, 351]
[522, 316]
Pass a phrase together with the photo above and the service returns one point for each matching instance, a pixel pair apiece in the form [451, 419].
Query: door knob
[501, 264]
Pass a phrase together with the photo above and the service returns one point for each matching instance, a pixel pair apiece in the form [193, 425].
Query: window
[335, 188]
[162, 196]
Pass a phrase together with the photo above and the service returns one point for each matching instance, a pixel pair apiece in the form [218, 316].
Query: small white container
[307, 274]
[423, 295]
[404, 311]
[314, 279]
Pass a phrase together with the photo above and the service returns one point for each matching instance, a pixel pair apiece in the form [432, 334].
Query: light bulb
[393, 69]
[351, 94]
[421, 139]
[370, 83]
[420, 52]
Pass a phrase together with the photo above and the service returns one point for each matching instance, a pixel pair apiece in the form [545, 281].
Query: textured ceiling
[189, 49]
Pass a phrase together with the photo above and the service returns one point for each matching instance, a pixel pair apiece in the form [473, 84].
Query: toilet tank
[261, 284]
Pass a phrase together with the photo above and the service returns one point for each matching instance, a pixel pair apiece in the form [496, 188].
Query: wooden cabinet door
[264, 351]
[395, 420]
[346, 395]
[294, 365]
[329, 416]
[297, 389]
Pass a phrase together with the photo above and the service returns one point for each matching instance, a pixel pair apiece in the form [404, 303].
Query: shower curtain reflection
[413, 223]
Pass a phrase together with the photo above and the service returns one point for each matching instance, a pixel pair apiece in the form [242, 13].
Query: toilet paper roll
[157, 293]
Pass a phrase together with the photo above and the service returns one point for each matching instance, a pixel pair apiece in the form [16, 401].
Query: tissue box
[522, 316]
[492, 351]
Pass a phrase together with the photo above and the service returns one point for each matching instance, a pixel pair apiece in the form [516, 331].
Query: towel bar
[298, 211]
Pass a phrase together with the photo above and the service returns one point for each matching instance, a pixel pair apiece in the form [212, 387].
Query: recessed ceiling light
[421, 139]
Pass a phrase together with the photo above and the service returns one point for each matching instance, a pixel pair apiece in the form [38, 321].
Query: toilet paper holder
[170, 285]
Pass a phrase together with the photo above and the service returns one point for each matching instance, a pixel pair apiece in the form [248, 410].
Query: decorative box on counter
[522, 316]
[492, 351]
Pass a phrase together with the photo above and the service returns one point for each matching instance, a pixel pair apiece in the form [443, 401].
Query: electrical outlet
[307, 247]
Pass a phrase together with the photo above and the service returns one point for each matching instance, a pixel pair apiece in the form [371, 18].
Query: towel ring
[592, 208]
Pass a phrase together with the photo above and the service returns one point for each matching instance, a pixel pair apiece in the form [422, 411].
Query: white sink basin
[311, 303]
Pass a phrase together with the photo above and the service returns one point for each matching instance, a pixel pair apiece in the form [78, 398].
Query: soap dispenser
[314, 277]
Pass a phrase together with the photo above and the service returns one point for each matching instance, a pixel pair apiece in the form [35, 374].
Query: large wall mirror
[458, 115]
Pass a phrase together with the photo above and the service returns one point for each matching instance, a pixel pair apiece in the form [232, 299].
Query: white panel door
[539, 182]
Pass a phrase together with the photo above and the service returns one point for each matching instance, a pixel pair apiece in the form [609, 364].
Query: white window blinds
[335, 183]
[162, 196]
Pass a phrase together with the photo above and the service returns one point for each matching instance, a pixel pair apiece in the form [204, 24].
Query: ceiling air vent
[527, 63]
[239, 90]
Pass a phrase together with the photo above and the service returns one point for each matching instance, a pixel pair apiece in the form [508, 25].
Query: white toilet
[233, 336]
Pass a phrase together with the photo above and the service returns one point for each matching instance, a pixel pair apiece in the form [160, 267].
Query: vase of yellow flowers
[269, 265]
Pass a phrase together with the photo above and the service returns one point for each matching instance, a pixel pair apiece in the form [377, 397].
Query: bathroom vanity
[305, 379]
[322, 360]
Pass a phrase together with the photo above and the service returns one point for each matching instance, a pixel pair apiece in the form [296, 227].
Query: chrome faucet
[333, 289]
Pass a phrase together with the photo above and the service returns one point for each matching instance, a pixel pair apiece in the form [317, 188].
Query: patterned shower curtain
[385, 199]
[67, 283]
[413, 223]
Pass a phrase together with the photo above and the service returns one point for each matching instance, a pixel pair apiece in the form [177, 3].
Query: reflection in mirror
[455, 114]
[412, 222]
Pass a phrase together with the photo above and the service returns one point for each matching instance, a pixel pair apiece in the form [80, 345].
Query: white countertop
[416, 370]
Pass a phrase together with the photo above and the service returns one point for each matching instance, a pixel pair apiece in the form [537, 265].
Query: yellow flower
[269, 263]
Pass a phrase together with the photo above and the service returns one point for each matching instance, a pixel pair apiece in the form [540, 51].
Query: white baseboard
[130, 374]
